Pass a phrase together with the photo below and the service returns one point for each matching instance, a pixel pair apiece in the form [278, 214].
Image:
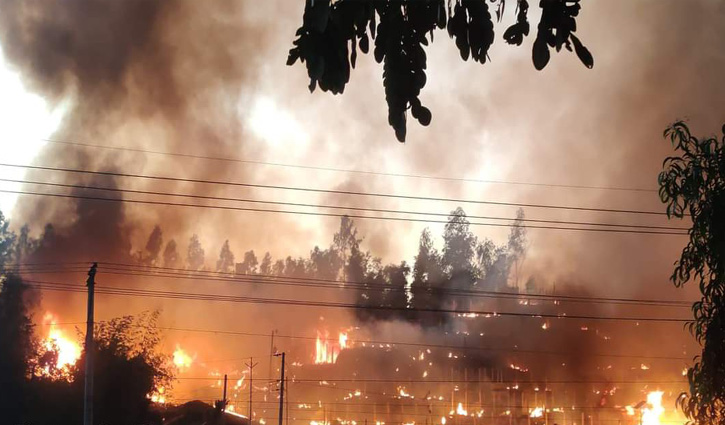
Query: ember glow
[537, 412]
[68, 350]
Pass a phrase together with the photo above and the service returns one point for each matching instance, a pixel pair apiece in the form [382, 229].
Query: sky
[27, 120]
[214, 82]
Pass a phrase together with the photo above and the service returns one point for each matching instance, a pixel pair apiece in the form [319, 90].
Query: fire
[181, 359]
[460, 410]
[68, 351]
[158, 396]
[537, 412]
[653, 410]
[326, 351]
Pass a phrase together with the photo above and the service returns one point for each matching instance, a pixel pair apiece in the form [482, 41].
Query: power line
[337, 207]
[373, 342]
[322, 214]
[310, 303]
[170, 272]
[332, 191]
[404, 381]
[341, 170]
[380, 288]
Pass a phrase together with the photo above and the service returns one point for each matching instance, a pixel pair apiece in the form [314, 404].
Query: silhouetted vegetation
[396, 291]
[33, 390]
[692, 185]
[398, 31]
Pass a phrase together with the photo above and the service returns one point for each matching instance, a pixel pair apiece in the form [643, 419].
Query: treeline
[385, 291]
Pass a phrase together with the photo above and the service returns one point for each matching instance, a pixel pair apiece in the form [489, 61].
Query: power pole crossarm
[88, 398]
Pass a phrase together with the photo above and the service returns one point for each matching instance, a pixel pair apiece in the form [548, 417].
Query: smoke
[209, 78]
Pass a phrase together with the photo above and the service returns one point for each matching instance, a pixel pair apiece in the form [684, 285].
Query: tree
[278, 268]
[127, 351]
[248, 264]
[295, 267]
[326, 264]
[397, 279]
[331, 32]
[517, 244]
[265, 267]
[427, 274]
[24, 245]
[171, 256]
[693, 184]
[150, 254]
[225, 263]
[195, 254]
[7, 240]
[494, 265]
[17, 345]
[344, 241]
[153, 246]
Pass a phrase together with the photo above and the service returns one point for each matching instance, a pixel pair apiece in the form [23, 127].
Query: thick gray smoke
[209, 78]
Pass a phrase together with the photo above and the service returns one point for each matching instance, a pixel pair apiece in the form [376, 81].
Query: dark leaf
[317, 16]
[364, 43]
[293, 56]
[584, 55]
[424, 116]
[540, 54]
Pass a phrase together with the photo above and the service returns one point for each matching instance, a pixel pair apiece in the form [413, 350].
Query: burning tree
[41, 375]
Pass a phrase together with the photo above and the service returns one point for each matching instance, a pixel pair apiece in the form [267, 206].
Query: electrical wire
[337, 207]
[331, 191]
[55, 286]
[127, 269]
[322, 214]
[341, 170]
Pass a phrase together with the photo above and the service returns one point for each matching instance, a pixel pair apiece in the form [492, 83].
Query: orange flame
[68, 350]
[182, 360]
[326, 351]
[653, 411]
[158, 396]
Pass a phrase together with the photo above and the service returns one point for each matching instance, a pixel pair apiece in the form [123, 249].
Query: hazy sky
[213, 80]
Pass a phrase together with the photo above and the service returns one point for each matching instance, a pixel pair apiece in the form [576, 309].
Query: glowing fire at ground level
[68, 350]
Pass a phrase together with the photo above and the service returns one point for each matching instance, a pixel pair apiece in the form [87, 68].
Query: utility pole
[250, 365]
[88, 399]
[281, 389]
[224, 394]
[271, 353]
